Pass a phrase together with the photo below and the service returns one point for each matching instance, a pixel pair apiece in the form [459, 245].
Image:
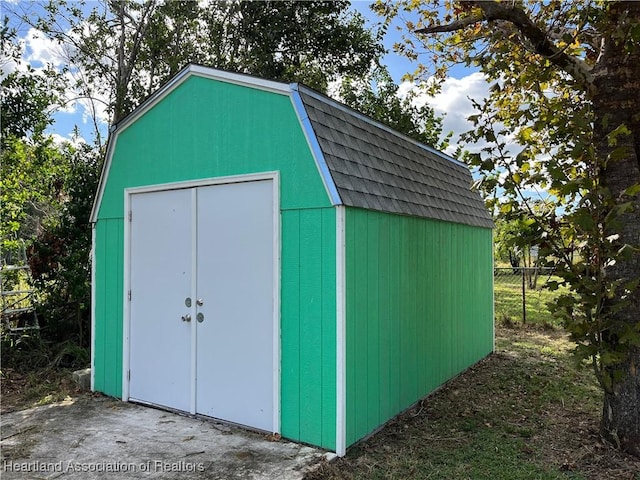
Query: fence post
[524, 296]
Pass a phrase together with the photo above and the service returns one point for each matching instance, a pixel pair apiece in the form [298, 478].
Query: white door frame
[128, 192]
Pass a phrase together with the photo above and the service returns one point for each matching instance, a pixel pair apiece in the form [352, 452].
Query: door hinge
[130, 215]
[128, 374]
[129, 295]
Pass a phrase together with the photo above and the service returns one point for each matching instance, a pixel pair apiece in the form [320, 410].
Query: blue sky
[463, 83]
[398, 65]
[452, 102]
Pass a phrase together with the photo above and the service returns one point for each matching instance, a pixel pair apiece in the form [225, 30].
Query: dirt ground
[24, 390]
[524, 412]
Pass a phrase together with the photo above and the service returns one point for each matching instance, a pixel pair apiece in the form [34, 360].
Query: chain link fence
[520, 295]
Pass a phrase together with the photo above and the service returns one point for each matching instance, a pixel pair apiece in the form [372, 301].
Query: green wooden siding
[418, 310]
[108, 306]
[308, 326]
[206, 129]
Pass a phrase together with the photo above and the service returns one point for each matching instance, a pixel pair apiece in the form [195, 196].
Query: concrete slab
[99, 437]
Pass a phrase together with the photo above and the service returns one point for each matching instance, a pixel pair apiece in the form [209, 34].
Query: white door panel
[235, 282]
[160, 342]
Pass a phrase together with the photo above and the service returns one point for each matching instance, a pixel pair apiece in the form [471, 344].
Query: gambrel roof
[363, 162]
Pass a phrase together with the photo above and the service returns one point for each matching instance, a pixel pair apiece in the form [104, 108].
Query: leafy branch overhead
[520, 29]
[125, 50]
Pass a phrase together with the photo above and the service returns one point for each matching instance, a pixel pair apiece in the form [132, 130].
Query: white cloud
[9, 65]
[333, 88]
[40, 52]
[39, 48]
[453, 101]
[95, 107]
[76, 141]
[456, 92]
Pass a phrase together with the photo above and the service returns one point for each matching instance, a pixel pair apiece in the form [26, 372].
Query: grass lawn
[508, 300]
[526, 412]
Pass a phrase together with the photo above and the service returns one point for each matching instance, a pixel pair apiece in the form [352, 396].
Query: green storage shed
[267, 256]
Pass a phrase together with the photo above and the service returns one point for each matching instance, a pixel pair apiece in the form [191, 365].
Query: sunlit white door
[160, 281]
[235, 370]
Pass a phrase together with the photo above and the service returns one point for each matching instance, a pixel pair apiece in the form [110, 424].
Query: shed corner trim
[341, 338]
[92, 256]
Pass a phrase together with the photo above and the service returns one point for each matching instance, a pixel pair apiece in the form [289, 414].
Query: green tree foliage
[566, 87]
[377, 96]
[507, 238]
[127, 49]
[516, 237]
[26, 100]
[31, 165]
[60, 254]
[46, 190]
[32, 174]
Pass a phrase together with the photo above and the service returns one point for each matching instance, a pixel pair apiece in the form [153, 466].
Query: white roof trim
[103, 176]
[150, 102]
[240, 79]
[314, 146]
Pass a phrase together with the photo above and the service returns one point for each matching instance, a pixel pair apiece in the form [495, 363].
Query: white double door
[201, 323]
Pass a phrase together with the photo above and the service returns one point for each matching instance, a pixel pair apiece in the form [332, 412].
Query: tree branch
[453, 26]
[539, 40]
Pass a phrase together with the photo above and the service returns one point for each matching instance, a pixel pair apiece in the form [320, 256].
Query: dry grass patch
[526, 412]
[40, 387]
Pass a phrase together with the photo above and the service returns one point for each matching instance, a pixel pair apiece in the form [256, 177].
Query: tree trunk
[617, 79]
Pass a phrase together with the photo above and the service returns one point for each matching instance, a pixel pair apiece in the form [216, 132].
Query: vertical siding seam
[375, 310]
[322, 330]
[493, 294]
[364, 340]
[105, 314]
[299, 319]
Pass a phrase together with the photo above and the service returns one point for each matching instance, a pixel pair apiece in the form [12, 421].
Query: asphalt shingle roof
[371, 165]
[376, 168]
